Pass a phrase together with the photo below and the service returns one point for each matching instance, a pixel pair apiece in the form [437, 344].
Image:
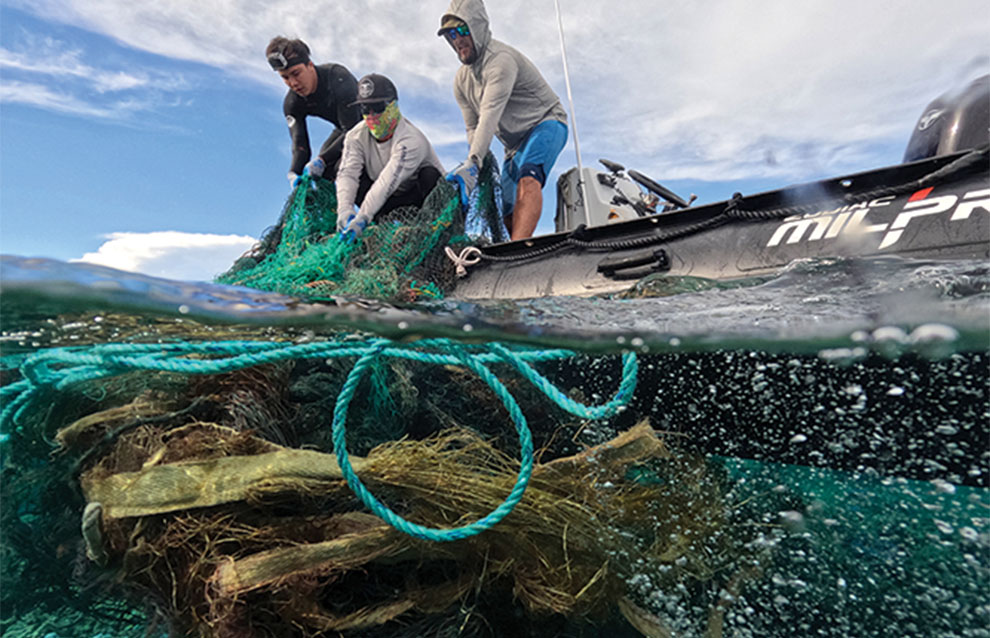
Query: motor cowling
[954, 121]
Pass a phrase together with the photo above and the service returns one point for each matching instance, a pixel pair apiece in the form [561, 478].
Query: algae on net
[299, 555]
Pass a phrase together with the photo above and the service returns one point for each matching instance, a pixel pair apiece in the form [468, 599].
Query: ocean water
[844, 406]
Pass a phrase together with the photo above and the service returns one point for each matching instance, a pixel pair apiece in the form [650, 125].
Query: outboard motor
[954, 121]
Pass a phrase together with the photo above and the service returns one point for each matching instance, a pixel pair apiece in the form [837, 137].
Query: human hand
[465, 176]
[315, 167]
[294, 179]
[353, 227]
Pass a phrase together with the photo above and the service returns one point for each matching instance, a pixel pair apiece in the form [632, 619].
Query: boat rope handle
[470, 256]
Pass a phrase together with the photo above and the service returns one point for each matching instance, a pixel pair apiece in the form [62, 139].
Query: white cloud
[48, 74]
[683, 89]
[52, 61]
[42, 97]
[170, 254]
[442, 133]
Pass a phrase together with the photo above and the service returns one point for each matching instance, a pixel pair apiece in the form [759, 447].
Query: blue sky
[149, 136]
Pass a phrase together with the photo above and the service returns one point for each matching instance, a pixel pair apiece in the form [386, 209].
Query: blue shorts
[535, 159]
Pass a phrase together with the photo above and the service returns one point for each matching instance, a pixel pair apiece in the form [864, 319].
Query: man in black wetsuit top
[327, 91]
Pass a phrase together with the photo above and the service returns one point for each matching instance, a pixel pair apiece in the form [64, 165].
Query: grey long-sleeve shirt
[501, 94]
[392, 165]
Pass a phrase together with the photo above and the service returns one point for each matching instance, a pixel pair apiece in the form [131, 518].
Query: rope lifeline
[59, 368]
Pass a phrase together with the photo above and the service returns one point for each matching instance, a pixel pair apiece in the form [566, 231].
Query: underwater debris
[92, 532]
[275, 539]
[206, 495]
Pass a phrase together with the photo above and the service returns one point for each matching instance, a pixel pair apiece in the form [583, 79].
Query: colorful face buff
[383, 124]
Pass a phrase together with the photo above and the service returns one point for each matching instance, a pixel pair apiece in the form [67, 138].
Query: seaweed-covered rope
[59, 368]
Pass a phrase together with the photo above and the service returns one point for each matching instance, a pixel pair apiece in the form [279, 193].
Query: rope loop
[470, 256]
[630, 372]
[388, 515]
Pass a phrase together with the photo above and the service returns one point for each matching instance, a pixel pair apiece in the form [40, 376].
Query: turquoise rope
[59, 368]
[386, 514]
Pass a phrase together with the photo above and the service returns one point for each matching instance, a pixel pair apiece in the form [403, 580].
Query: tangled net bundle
[206, 497]
[399, 259]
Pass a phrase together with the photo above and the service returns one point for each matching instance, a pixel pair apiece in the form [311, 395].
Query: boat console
[612, 196]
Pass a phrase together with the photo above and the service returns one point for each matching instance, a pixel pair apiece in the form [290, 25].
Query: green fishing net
[399, 259]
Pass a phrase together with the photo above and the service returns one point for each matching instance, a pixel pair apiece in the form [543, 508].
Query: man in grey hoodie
[502, 94]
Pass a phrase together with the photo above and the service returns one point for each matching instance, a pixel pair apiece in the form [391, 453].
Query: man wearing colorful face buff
[326, 91]
[502, 94]
[386, 150]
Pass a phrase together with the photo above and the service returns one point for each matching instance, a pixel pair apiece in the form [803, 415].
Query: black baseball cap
[375, 88]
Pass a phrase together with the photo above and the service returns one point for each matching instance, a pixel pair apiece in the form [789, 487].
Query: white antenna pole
[570, 100]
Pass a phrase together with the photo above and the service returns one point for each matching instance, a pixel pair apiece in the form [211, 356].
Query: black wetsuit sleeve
[332, 150]
[295, 117]
[345, 93]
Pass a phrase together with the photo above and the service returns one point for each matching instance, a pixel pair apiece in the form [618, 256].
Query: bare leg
[529, 205]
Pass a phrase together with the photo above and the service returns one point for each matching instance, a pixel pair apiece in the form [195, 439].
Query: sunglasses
[453, 32]
[373, 108]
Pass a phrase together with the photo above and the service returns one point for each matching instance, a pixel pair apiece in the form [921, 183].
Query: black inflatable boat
[612, 233]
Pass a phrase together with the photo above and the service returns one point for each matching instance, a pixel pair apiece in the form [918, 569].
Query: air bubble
[843, 356]
[890, 333]
[933, 332]
[792, 520]
[944, 486]
[969, 534]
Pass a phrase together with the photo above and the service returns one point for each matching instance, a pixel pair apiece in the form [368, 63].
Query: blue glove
[465, 176]
[297, 180]
[315, 168]
[343, 221]
[353, 228]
